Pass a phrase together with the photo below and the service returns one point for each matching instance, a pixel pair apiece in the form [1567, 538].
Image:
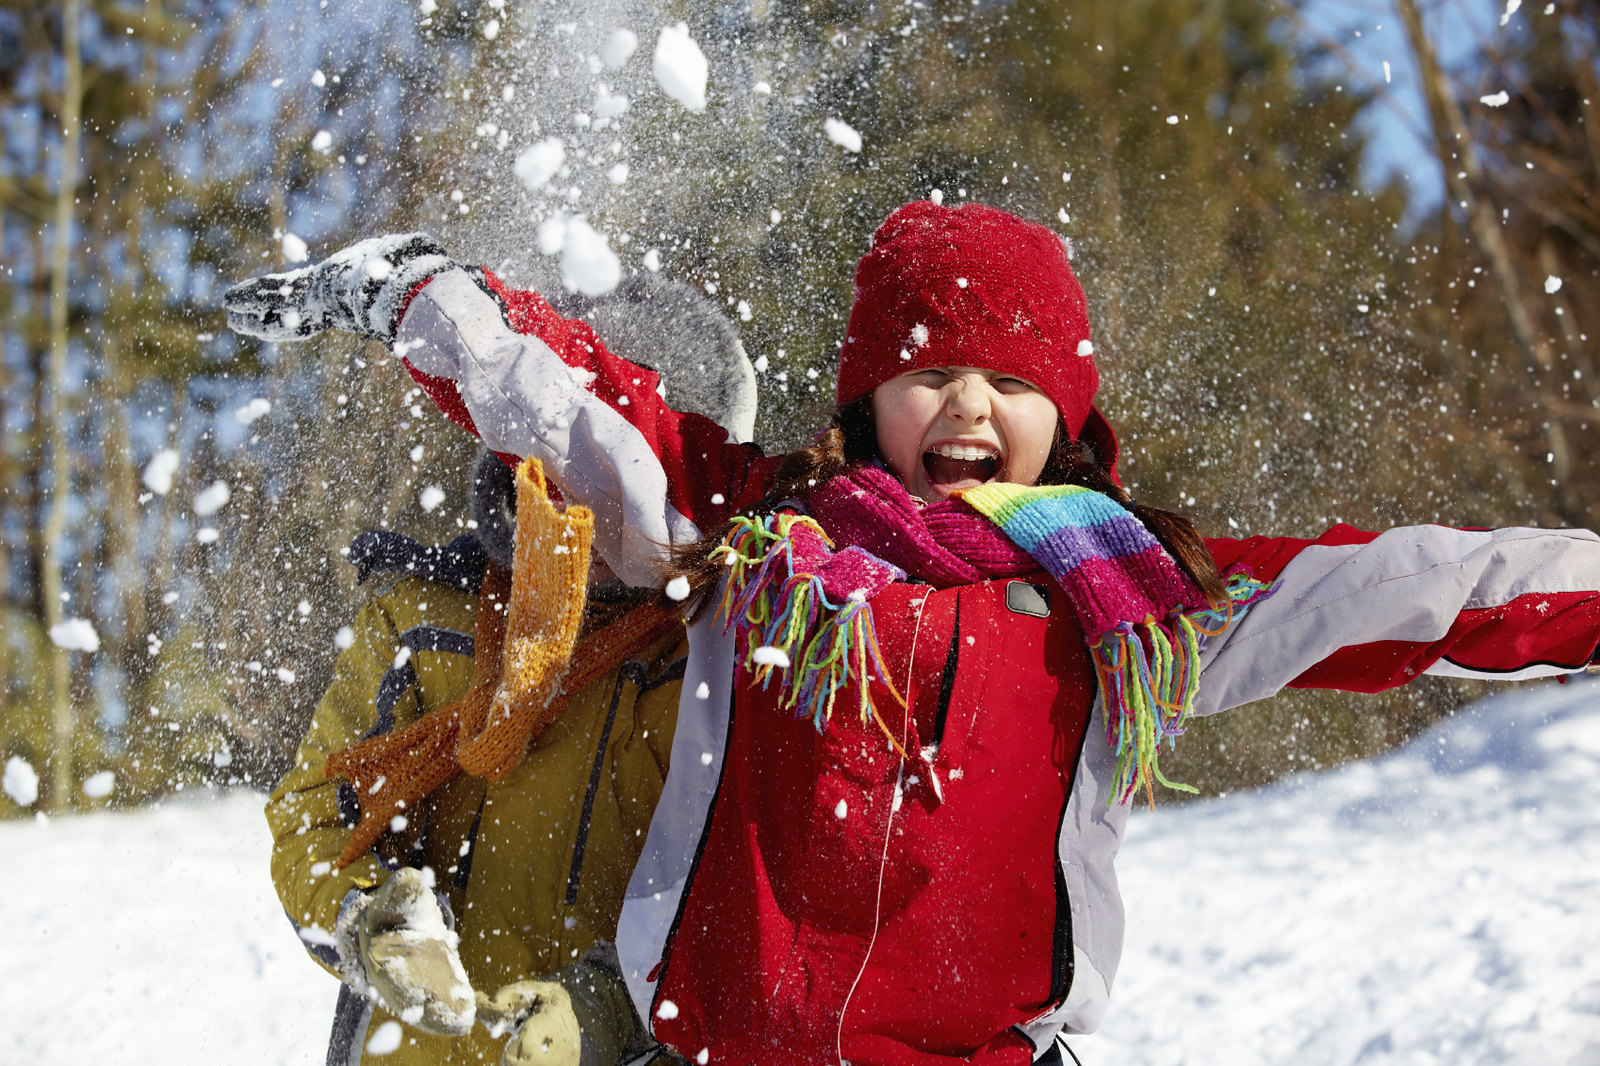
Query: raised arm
[530, 382]
[1364, 612]
[507, 367]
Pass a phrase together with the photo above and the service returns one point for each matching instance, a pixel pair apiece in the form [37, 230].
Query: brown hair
[851, 437]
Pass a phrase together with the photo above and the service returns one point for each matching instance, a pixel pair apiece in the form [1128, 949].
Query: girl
[990, 640]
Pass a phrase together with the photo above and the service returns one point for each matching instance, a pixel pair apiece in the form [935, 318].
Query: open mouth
[954, 467]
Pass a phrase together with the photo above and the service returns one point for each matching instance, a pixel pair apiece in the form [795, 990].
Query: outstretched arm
[1364, 612]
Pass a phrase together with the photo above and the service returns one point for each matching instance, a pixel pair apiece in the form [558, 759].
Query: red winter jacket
[813, 896]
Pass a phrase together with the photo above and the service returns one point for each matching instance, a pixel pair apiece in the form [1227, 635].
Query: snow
[21, 781]
[588, 264]
[539, 162]
[619, 48]
[1499, 99]
[678, 589]
[431, 497]
[608, 104]
[162, 930]
[680, 67]
[256, 409]
[1438, 907]
[211, 499]
[385, 1039]
[294, 248]
[768, 655]
[1552, 284]
[322, 141]
[99, 786]
[843, 134]
[159, 470]
[75, 634]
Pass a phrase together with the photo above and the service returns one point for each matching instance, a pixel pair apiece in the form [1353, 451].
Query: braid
[849, 438]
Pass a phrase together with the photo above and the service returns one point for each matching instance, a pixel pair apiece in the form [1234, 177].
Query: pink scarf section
[945, 543]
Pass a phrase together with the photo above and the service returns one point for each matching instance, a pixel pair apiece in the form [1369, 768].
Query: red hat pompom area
[974, 286]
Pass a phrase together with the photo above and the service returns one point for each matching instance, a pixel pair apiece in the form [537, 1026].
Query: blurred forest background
[1288, 337]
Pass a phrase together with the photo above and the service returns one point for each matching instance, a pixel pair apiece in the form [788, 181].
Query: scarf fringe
[1149, 674]
[792, 628]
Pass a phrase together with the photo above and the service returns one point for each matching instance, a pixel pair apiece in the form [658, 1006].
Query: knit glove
[394, 943]
[360, 289]
[581, 1016]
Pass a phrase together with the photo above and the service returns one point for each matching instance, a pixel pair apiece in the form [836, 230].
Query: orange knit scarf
[524, 669]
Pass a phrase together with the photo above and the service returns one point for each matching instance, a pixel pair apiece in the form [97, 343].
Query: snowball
[667, 1011]
[761, 88]
[385, 1039]
[1172, 120]
[619, 48]
[159, 470]
[703, 1057]
[318, 78]
[937, 196]
[1511, 9]
[99, 786]
[919, 335]
[588, 264]
[841, 809]
[1552, 284]
[745, 314]
[761, 364]
[491, 29]
[251, 411]
[285, 675]
[618, 174]
[678, 589]
[767, 655]
[431, 497]
[538, 163]
[294, 249]
[842, 134]
[680, 67]
[322, 142]
[703, 691]
[427, 7]
[211, 499]
[652, 261]
[344, 638]
[1499, 99]
[608, 104]
[75, 634]
[1085, 348]
[21, 781]
[207, 535]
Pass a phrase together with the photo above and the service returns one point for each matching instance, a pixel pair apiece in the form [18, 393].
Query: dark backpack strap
[458, 564]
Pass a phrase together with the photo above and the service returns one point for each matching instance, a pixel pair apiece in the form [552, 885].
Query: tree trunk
[56, 430]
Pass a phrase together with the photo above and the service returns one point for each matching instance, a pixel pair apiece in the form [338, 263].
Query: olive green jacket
[533, 866]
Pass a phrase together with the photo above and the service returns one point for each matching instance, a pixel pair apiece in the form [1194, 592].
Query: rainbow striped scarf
[1151, 620]
[803, 608]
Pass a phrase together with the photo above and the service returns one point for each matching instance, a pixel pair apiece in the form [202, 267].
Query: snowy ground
[1440, 906]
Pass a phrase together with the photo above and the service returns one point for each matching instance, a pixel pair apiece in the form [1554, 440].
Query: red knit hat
[974, 286]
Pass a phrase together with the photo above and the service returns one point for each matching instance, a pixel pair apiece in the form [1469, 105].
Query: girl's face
[955, 427]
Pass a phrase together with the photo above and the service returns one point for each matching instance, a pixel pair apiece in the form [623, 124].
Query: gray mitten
[359, 289]
[394, 941]
[581, 1016]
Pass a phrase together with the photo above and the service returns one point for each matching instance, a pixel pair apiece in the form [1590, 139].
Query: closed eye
[1011, 385]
